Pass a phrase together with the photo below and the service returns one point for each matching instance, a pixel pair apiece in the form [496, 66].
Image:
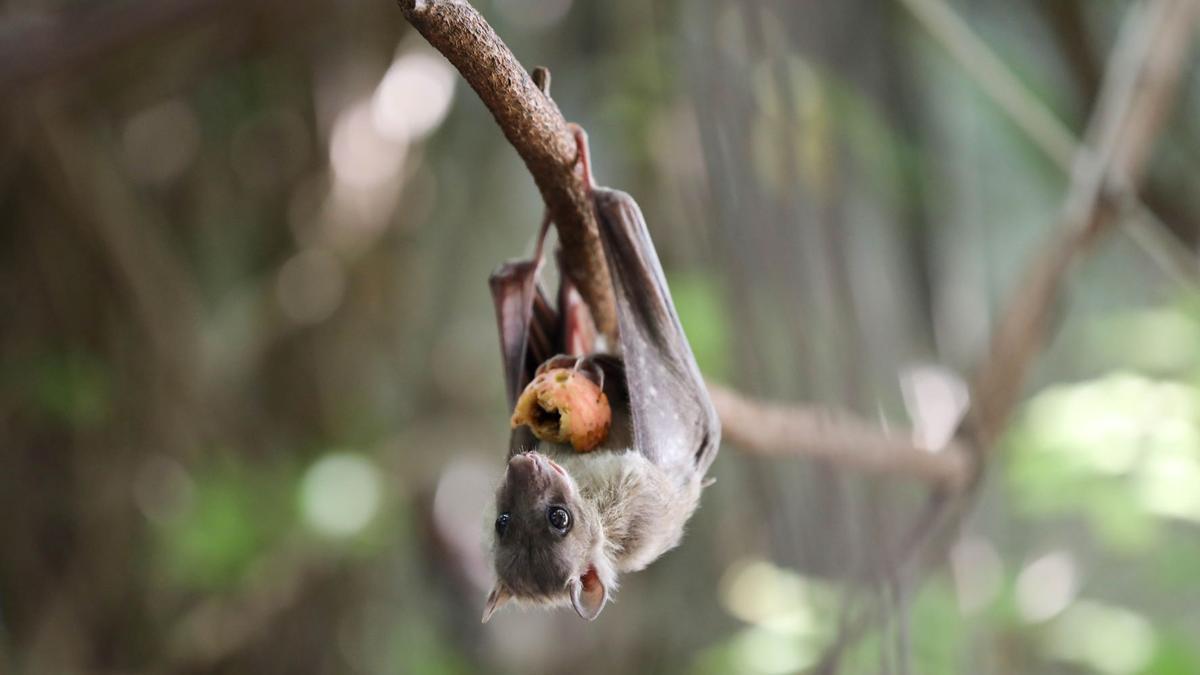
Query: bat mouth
[554, 465]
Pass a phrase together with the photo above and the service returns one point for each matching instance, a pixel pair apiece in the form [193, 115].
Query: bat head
[549, 542]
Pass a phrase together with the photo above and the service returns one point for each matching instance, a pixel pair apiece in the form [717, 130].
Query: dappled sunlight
[791, 619]
[759, 592]
[1140, 434]
[978, 573]
[341, 493]
[1111, 424]
[1160, 339]
[361, 156]
[413, 97]
[1047, 586]
[1169, 485]
[1106, 638]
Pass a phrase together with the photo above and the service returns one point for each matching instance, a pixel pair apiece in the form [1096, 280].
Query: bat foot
[583, 155]
[587, 365]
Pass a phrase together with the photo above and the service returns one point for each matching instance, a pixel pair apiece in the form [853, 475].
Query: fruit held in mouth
[562, 405]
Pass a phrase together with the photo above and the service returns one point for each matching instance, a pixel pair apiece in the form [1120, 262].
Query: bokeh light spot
[341, 493]
[1047, 586]
[413, 97]
[978, 573]
[1109, 639]
[361, 156]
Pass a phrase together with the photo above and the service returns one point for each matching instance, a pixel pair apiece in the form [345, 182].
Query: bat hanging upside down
[610, 444]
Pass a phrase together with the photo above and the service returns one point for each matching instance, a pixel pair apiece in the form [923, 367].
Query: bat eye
[560, 519]
[502, 524]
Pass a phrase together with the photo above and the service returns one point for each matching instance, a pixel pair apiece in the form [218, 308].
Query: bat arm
[675, 424]
[539, 256]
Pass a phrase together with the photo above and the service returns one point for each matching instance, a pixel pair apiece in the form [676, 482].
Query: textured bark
[534, 126]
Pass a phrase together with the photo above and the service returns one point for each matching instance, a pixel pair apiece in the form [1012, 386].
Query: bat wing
[674, 423]
[528, 328]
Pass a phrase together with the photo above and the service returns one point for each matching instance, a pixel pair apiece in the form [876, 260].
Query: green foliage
[702, 313]
[72, 387]
[939, 633]
[1122, 450]
[1121, 453]
[415, 647]
[236, 515]
[1177, 654]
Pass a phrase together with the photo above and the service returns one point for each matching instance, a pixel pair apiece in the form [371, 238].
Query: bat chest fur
[642, 509]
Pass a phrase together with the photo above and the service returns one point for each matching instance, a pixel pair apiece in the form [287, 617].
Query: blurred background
[250, 395]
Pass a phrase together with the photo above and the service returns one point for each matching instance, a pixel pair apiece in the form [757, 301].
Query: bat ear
[588, 594]
[496, 599]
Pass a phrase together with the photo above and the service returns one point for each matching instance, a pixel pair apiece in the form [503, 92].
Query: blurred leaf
[698, 301]
[235, 516]
[759, 650]
[938, 630]
[791, 136]
[417, 648]
[1118, 450]
[1107, 638]
[1157, 340]
[1119, 521]
[1178, 564]
[73, 387]
[1176, 655]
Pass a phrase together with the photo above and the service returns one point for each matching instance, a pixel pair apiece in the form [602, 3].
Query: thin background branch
[1136, 97]
[1041, 126]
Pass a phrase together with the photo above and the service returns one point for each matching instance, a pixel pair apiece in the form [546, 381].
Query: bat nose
[526, 464]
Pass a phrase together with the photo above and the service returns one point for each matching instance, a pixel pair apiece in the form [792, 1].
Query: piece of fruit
[562, 405]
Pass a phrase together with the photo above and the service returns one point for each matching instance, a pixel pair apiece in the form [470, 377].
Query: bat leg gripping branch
[586, 361]
[583, 154]
[576, 363]
[538, 247]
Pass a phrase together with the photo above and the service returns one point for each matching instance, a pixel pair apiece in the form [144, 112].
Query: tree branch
[1040, 125]
[771, 429]
[534, 126]
[1137, 94]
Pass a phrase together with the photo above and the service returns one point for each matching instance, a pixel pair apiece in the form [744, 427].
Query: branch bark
[771, 429]
[533, 124]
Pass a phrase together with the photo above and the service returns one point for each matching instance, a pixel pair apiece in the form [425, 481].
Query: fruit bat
[568, 523]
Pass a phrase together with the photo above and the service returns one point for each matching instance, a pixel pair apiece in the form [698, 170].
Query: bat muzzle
[526, 464]
[532, 467]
